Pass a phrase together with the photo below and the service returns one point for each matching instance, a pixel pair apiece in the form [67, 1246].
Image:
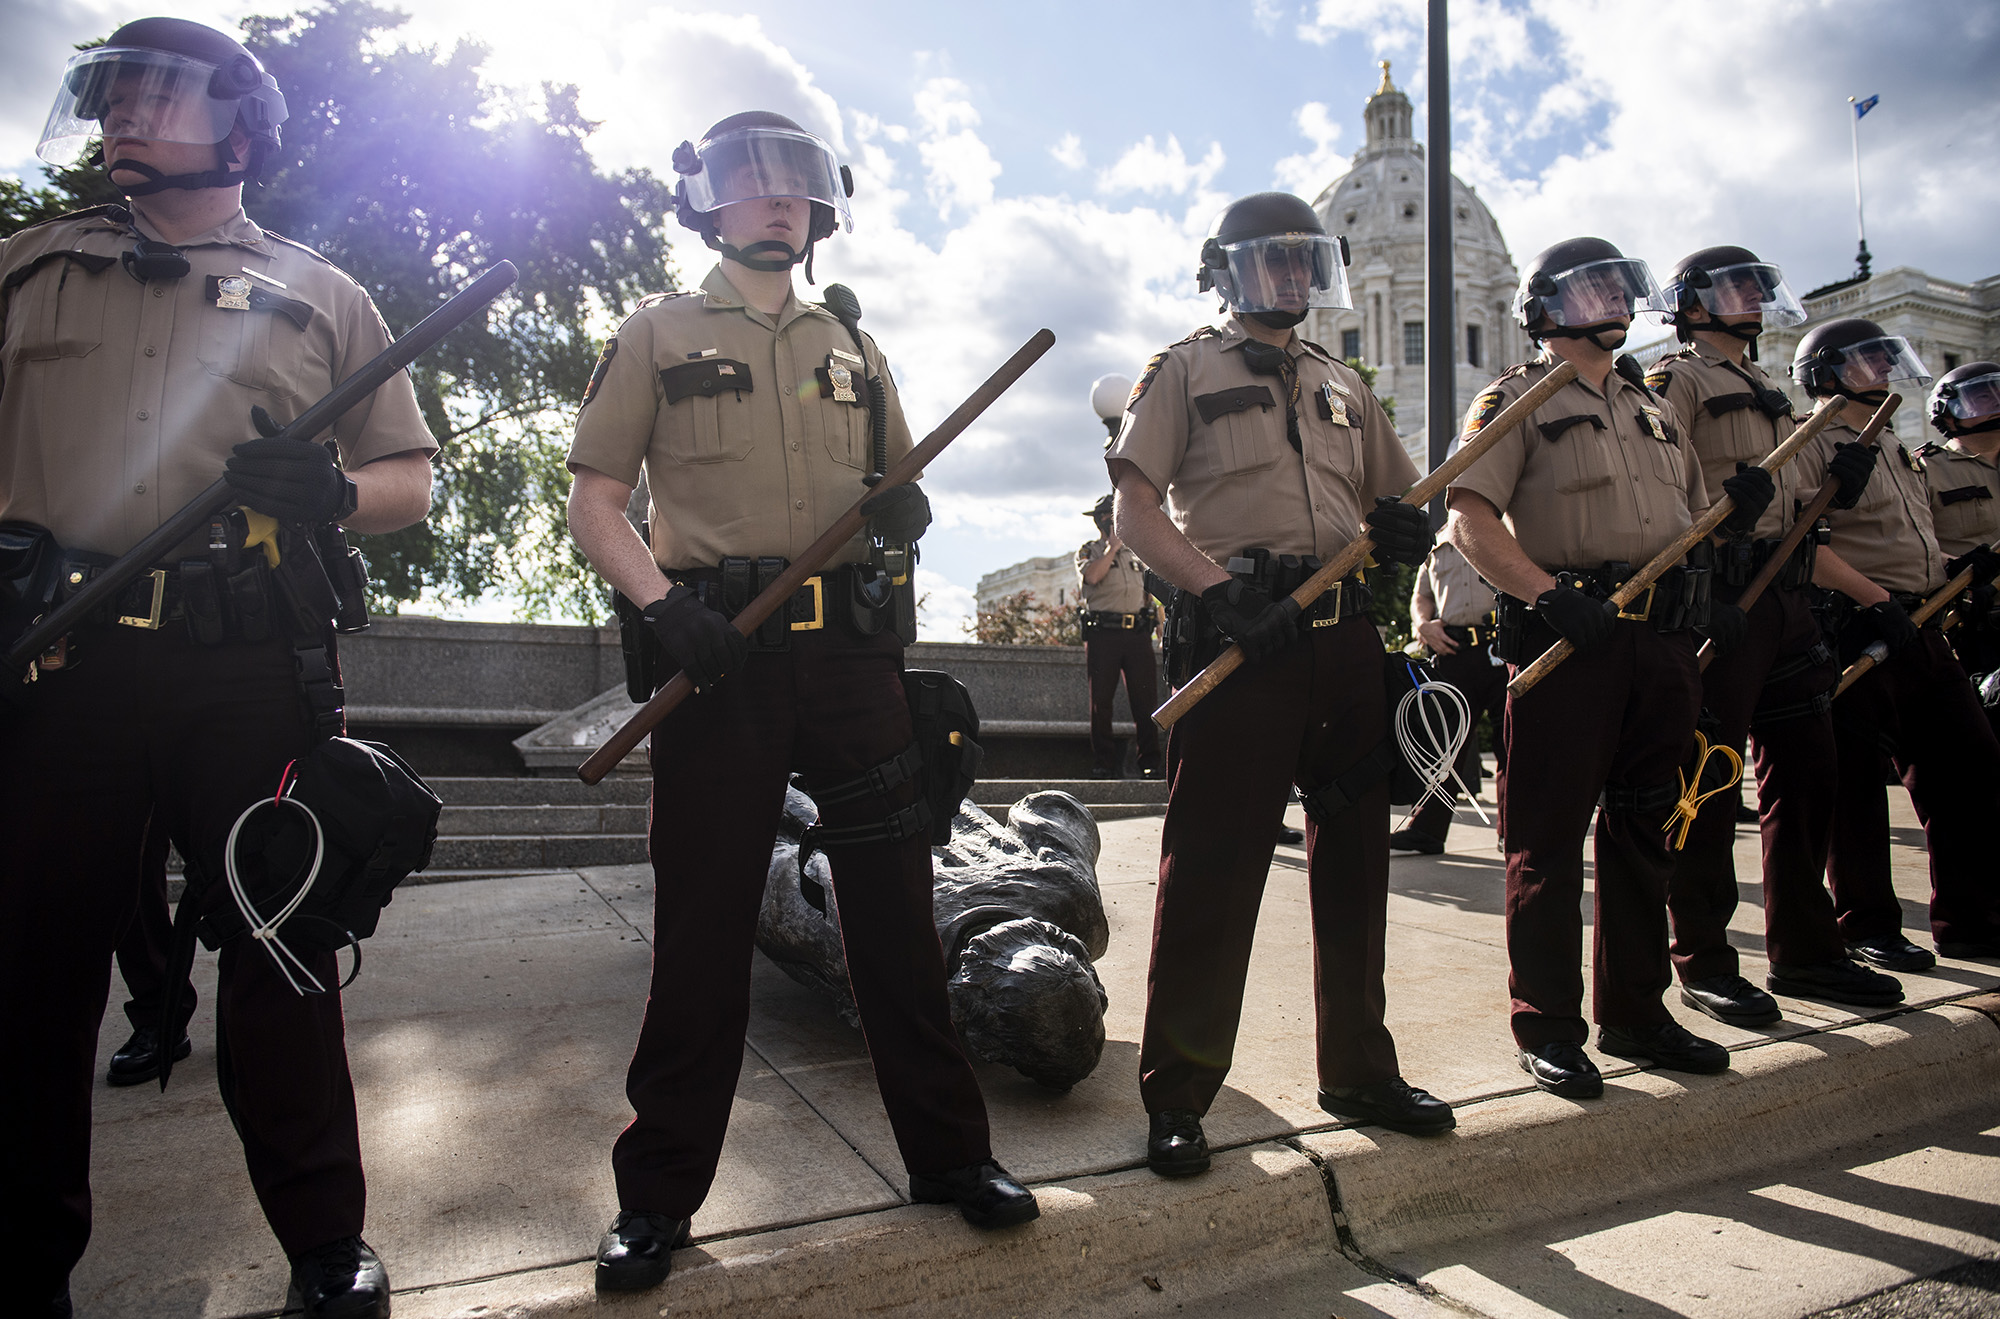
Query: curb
[1133, 1243]
[1531, 1158]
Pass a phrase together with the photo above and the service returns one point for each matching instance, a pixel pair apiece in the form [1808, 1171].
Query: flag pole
[1860, 225]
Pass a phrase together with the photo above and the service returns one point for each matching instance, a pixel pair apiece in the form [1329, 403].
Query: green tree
[1368, 374]
[407, 170]
[1022, 620]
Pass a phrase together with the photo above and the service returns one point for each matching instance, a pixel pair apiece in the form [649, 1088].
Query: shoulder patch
[1145, 381]
[598, 373]
[1657, 381]
[1484, 408]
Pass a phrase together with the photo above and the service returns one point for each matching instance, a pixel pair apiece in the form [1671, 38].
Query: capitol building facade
[1379, 205]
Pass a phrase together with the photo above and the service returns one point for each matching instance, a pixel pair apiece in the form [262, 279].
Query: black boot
[341, 1280]
[138, 1059]
[1175, 1145]
[635, 1253]
[984, 1193]
[1394, 1104]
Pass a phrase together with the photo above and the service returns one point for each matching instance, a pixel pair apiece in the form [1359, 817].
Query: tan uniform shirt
[1888, 537]
[734, 417]
[1198, 430]
[1698, 376]
[1451, 590]
[1588, 478]
[1122, 589]
[1965, 497]
[120, 401]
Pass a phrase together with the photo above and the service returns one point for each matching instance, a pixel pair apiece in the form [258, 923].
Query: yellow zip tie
[1691, 796]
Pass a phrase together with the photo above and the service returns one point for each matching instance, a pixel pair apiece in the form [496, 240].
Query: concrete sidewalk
[492, 1022]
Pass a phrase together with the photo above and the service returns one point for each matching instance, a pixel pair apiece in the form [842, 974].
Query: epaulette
[113, 211]
[653, 299]
[1627, 366]
[1205, 332]
[1317, 348]
[1930, 448]
[293, 242]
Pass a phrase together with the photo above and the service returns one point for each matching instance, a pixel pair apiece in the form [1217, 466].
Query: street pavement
[492, 1021]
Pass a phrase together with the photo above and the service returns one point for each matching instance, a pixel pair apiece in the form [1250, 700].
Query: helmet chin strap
[157, 182]
[1277, 320]
[770, 256]
[1747, 331]
[1590, 332]
[1992, 423]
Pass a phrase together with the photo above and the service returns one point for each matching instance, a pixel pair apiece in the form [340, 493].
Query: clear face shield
[1877, 364]
[1593, 293]
[1969, 401]
[151, 95]
[753, 163]
[1753, 288]
[1283, 273]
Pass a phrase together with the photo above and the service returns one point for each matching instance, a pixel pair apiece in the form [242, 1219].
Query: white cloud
[959, 170]
[1310, 171]
[1069, 152]
[943, 607]
[1149, 167]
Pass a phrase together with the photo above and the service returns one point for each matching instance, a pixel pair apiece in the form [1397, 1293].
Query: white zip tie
[1435, 757]
[261, 928]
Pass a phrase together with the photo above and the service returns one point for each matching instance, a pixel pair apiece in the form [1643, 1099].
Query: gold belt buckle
[818, 620]
[1646, 611]
[1337, 591]
[1131, 621]
[151, 622]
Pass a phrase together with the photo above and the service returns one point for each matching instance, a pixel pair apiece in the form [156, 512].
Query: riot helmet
[1854, 359]
[1585, 288]
[165, 80]
[1730, 281]
[756, 155]
[1966, 400]
[1271, 259]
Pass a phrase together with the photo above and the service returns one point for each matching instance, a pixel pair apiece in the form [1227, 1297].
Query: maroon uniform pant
[148, 726]
[1309, 714]
[1615, 719]
[1109, 652]
[144, 952]
[1484, 684]
[1918, 713]
[1791, 748]
[831, 708]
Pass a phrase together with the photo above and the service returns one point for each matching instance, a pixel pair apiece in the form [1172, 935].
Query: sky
[1057, 165]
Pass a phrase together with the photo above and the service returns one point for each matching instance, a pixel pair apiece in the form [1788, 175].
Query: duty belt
[1124, 622]
[1472, 634]
[806, 611]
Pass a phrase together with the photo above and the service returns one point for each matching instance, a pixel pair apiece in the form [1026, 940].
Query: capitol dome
[1379, 205]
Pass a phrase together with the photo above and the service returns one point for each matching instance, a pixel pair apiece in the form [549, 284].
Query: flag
[1861, 108]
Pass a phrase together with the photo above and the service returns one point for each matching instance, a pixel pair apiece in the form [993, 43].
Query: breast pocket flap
[1225, 401]
[707, 378]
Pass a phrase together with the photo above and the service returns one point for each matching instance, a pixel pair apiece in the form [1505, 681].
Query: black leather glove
[1891, 624]
[1402, 531]
[291, 480]
[898, 515]
[695, 637]
[1583, 622]
[1752, 489]
[1985, 565]
[1727, 626]
[1851, 465]
[1251, 619]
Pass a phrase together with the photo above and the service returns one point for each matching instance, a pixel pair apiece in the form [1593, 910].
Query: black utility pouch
[249, 592]
[775, 632]
[645, 660]
[201, 602]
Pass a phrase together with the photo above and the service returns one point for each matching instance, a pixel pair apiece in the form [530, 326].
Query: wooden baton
[1357, 549]
[603, 760]
[1801, 527]
[1704, 526]
[1878, 651]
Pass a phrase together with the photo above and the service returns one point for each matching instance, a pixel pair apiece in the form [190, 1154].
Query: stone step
[553, 791]
[597, 818]
[513, 853]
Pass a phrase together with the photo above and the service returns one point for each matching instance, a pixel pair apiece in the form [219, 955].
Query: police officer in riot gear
[1965, 502]
[134, 353]
[1915, 712]
[1247, 455]
[1598, 480]
[752, 415]
[1776, 685]
[1118, 622]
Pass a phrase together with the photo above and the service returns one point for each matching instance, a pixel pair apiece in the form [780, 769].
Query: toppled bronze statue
[1019, 916]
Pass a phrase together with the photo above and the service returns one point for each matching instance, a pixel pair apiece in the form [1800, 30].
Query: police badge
[232, 293]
